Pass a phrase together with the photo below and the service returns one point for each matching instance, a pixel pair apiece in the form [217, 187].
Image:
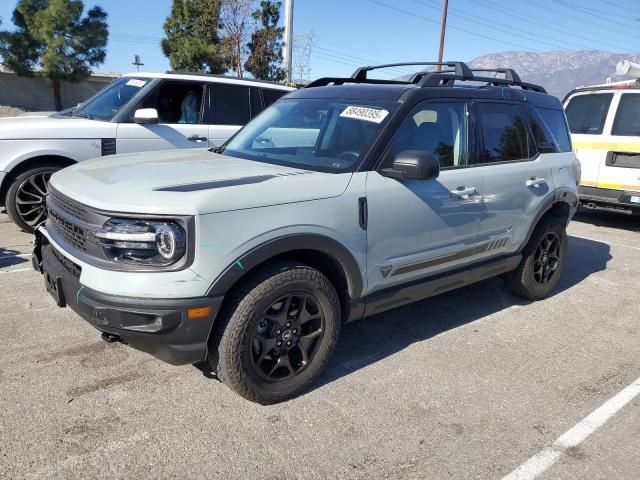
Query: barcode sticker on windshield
[134, 82]
[363, 113]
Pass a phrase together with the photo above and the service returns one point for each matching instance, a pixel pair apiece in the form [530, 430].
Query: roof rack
[430, 78]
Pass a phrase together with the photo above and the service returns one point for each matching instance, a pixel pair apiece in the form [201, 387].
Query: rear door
[517, 179]
[620, 167]
[180, 107]
[587, 116]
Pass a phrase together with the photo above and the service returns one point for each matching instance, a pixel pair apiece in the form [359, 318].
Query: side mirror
[146, 116]
[413, 165]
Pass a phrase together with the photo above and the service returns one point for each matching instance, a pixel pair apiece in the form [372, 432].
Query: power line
[483, 21]
[500, 9]
[595, 11]
[426, 19]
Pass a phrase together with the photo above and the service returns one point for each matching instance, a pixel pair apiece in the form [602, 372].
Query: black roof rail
[457, 71]
[461, 68]
[509, 73]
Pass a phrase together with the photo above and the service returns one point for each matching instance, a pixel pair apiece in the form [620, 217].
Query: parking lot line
[21, 255]
[17, 270]
[573, 437]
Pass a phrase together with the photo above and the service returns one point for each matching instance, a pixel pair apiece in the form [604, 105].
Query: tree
[192, 40]
[234, 18]
[54, 38]
[265, 47]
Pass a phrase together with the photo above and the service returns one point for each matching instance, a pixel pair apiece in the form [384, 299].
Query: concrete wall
[36, 93]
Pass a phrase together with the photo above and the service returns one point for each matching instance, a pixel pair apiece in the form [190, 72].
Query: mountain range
[559, 71]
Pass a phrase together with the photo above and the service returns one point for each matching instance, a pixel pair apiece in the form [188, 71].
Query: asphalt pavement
[467, 385]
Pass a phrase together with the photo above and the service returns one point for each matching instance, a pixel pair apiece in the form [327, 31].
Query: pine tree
[54, 38]
[192, 40]
[265, 47]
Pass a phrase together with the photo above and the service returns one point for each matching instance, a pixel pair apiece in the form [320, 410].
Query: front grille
[67, 205]
[72, 233]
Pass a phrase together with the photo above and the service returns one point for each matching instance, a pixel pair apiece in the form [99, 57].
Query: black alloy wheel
[27, 195]
[287, 337]
[546, 258]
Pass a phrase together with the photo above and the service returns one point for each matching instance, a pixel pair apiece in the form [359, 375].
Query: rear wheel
[279, 334]
[27, 195]
[542, 261]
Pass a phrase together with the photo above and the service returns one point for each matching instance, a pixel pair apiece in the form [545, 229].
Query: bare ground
[10, 111]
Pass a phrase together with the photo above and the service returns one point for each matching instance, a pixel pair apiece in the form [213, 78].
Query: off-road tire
[230, 348]
[12, 192]
[521, 281]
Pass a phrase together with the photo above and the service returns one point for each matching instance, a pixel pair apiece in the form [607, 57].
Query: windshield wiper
[217, 150]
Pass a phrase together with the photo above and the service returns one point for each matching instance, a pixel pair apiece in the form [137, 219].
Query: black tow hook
[110, 337]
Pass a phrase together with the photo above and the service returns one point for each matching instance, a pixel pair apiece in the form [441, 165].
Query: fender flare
[290, 243]
[561, 196]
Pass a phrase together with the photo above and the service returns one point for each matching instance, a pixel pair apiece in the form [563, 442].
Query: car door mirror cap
[413, 165]
[146, 116]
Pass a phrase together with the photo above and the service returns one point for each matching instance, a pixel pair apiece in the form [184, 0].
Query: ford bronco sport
[344, 199]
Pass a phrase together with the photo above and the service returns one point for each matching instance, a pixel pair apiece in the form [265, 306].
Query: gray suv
[342, 200]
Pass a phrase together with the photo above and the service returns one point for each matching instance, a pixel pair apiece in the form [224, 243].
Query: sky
[349, 33]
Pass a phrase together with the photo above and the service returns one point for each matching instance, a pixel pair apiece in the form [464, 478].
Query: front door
[180, 125]
[417, 228]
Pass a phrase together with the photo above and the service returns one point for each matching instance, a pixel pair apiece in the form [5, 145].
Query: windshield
[325, 135]
[107, 102]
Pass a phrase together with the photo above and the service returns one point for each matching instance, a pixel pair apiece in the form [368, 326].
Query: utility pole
[443, 29]
[137, 62]
[287, 52]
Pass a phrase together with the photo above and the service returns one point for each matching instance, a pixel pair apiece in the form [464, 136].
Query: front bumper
[595, 197]
[160, 327]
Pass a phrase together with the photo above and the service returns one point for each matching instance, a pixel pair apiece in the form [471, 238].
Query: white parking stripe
[21, 255]
[16, 270]
[573, 437]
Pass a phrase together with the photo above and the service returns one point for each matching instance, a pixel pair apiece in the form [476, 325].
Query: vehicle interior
[176, 102]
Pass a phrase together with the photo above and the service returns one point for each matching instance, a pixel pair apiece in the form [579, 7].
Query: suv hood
[36, 127]
[190, 182]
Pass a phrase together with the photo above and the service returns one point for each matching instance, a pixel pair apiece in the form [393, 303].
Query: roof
[198, 77]
[356, 91]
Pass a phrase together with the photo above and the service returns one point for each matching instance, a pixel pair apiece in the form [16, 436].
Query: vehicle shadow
[604, 218]
[9, 258]
[367, 341]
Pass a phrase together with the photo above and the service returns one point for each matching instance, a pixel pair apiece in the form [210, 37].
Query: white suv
[138, 112]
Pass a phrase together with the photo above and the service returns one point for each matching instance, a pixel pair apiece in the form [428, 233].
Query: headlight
[142, 242]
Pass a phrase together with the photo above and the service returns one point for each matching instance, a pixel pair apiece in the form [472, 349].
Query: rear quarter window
[627, 121]
[586, 114]
[557, 126]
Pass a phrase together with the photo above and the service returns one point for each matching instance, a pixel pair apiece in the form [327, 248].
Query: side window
[503, 133]
[435, 127]
[586, 114]
[231, 105]
[627, 121]
[557, 125]
[176, 102]
[256, 102]
[271, 96]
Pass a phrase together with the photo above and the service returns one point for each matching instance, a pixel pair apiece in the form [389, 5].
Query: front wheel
[279, 333]
[26, 197]
[542, 262]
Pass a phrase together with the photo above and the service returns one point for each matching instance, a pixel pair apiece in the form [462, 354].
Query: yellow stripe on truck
[612, 186]
[610, 146]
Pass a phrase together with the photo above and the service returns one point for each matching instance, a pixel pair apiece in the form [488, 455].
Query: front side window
[503, 133]
[176, 102]
[586, 114]
[318, 134]
[434, 127]
[627, 121]
[109, 101]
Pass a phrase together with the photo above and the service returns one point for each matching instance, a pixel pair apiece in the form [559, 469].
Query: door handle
[535, 182]
[197, 138]
[464, 192]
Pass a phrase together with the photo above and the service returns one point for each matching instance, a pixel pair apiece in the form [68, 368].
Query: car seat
[190, 108]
